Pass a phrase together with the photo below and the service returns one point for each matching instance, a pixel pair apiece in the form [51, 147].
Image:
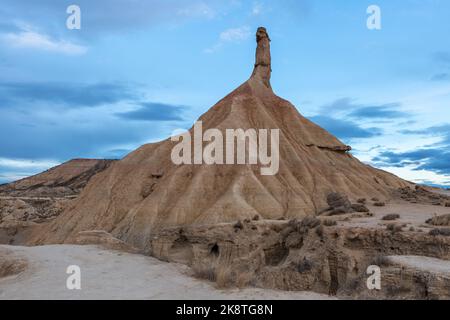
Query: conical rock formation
[146, 191]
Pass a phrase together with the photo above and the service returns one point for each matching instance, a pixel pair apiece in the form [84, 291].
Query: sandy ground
[115, 275]
[410, 214]
[422, 263]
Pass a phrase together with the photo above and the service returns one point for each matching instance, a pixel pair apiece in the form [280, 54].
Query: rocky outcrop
[263, 61]
[307, 255]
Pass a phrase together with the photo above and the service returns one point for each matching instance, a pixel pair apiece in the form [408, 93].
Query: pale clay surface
[115, 275]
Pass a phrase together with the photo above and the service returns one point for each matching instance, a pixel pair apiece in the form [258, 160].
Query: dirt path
[115, 275]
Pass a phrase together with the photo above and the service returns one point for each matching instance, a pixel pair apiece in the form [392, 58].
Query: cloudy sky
[139, 69]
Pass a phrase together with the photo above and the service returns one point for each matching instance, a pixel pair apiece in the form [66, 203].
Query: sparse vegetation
[223, 275]
[440, 232]
[329, 223]
[256, 217]
[443, 220]
[359, 207]
[391, 217]
[362, 201]
[394, 227]
[379, 204]
[205, 272]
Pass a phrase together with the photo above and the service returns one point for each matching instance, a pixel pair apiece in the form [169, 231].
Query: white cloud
[257, 9]
[197, 10]
[233, 35]
[236, 34]
[27, 164]
[34, 40]
[16, 169]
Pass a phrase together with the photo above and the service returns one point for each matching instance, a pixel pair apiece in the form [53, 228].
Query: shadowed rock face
[146, 191]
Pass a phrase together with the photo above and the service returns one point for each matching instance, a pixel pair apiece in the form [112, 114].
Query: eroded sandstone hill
[146, 191]
[67, 179]
[44, 196]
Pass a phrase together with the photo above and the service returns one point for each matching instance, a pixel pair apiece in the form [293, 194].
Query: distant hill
[67, 179]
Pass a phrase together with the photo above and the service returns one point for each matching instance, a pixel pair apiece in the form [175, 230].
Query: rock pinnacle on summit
[263, 63]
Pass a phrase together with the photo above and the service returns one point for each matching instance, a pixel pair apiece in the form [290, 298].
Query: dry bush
[443, 220]
[329, 223]
[244, 279]
[205, 272]
[390, 217]
[224, 277]
[440, 232]
[379, 204]
[394, 227]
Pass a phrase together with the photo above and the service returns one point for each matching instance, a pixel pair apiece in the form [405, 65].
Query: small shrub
[329, 223]
[375, 199]
[443, 220]
[394, 227]
[256, 217]
[244, 279]
[440, 232]
[205, 272]
[447, 204]
[224, 277]
[379, 204]
[359, 207]
[362, 201]
[391, 217]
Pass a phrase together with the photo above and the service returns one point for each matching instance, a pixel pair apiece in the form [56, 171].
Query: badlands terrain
[314, 226]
